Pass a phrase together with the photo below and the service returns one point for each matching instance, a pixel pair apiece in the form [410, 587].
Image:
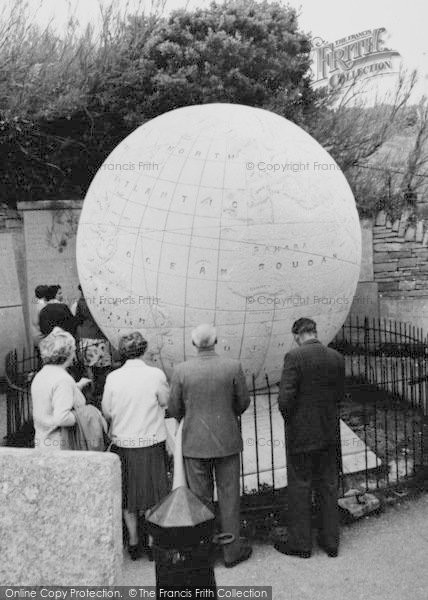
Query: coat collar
[311, 341]
[135, 362]
[203, 353]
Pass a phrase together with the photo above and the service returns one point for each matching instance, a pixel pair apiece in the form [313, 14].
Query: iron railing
[383, 413]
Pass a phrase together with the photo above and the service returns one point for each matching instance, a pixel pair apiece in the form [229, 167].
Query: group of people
[209, 393]
[94, 351]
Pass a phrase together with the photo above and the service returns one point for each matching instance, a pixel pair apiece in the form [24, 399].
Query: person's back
[209, 393]
[133, 404]
[54, 393]
[56, 315]
[214, 393]
[311, 388]
[312, 420]
[133, 400]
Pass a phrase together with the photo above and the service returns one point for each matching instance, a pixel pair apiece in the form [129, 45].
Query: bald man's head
[204, 336]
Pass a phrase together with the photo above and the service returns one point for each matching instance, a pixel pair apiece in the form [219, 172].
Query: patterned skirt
[144, 476]
[95, 353]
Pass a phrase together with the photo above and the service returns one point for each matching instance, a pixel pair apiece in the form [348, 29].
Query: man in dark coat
[312, 386]
[210, 393]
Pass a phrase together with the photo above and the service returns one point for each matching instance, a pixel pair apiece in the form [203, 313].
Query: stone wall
[400, 265]
[13, 323]
[50, 229]
[60, 518]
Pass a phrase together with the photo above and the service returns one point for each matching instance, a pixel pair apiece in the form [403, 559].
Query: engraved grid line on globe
[157, 349]
[189, 252]
[141, 239]
[183, 232]
[165, 229]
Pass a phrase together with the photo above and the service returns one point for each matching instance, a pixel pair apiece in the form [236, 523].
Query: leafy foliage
[382, 148]
[67, 102]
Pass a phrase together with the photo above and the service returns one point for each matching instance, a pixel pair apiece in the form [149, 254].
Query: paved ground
[381, 558]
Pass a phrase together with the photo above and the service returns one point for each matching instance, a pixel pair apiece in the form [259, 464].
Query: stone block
[418, 293]
[60, 517]
[385, 286]
[408, 262]
[407, 285]
[388, 246]
[410, 234]
[391, 294]
[419, 231]
[381, 218]
[403, 226]
[422, 208]
[402, 254]
[388, 235]
[385, 266]
[425, 240]
[388, 276]
[381, 256]
[413, 246]
[387, 256]
[388, 224]
[396, 225]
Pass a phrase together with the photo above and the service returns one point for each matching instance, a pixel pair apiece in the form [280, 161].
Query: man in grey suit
[312, 386]
[210, 392]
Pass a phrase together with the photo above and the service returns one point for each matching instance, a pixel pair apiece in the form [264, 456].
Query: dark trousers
[199, 473]
[306, 472]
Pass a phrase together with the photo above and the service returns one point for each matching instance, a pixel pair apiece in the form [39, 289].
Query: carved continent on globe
[224, 214]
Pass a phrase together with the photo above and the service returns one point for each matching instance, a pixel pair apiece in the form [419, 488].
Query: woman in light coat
[54, 392]
[133, 404]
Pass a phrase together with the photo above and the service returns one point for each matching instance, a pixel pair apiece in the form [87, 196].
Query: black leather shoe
[134, 552]
[284, 548]
[331, 552]
[245, 554]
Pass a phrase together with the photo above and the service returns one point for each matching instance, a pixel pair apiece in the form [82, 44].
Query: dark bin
[183, 542]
